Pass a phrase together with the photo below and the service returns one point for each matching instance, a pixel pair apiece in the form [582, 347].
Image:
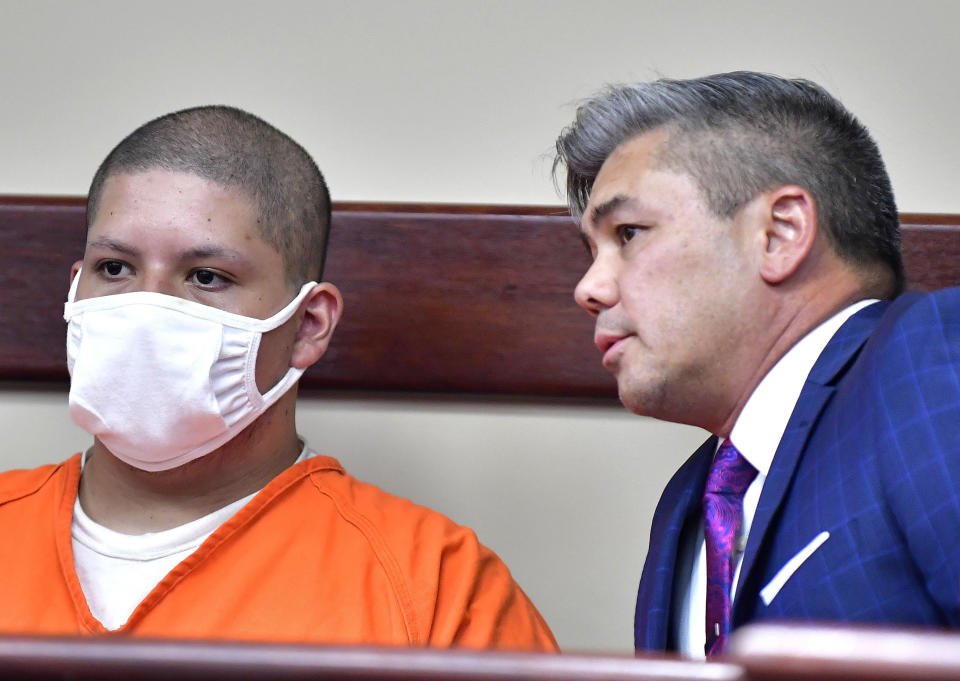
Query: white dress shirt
[756, 434]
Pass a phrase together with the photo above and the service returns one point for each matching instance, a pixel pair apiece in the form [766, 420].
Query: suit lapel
[679, 503]
[817, 390]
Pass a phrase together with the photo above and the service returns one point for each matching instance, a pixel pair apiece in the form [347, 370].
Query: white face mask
[161, 380]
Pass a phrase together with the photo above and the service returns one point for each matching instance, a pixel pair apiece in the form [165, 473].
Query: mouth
[609, 344]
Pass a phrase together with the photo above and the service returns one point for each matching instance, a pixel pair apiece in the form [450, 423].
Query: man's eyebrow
[608, 206]
[112, 245]
[198, 253]
[212, 251]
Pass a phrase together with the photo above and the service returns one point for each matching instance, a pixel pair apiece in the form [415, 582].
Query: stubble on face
[679, 284]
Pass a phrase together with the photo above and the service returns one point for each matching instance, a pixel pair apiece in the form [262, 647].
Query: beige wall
[460, 101]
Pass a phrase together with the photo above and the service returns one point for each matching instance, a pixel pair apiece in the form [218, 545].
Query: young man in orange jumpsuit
[198, 512]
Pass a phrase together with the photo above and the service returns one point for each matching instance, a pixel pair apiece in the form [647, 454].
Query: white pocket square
[770, 591]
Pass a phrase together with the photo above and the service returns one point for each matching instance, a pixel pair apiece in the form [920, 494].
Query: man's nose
[597, 290]
[157, 281]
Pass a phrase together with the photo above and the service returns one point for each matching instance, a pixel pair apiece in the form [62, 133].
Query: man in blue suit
[747, 279]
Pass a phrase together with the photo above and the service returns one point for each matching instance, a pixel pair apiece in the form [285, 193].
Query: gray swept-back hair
[236, 149]
[739, 134]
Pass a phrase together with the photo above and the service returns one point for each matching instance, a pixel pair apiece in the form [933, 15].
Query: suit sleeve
[919, 385]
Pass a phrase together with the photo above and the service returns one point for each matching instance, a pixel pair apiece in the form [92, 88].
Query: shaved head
[238, 150]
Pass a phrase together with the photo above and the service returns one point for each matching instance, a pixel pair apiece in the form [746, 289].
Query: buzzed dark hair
[238, 150]
[742, 133]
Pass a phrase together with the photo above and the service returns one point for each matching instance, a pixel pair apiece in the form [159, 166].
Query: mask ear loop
[72, 293]
[264, 400]
[71, 296]
[274, 321]
[286, 382]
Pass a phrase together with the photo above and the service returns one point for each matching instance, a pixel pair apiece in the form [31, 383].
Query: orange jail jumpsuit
[316, 556]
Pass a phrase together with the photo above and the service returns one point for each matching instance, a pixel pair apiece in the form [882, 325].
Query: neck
[129, 500]
[797, 312]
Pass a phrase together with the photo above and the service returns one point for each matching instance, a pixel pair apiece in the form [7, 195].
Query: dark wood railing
[438, 298]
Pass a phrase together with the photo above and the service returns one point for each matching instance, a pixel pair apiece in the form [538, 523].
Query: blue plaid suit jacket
[871, 454]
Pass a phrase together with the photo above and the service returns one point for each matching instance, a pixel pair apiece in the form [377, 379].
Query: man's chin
[633, 402]
[639, 399]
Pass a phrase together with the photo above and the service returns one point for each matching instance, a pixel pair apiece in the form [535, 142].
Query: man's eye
[112, 268]
[205, 277]
[208, 278]
[626, 232]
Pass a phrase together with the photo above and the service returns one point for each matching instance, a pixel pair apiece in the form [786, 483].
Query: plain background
[450, 101]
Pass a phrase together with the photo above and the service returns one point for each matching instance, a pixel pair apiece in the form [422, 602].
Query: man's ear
[74, 269]
[790, 229]
[322, 309]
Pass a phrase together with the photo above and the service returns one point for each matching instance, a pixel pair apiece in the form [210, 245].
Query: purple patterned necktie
[728, 479]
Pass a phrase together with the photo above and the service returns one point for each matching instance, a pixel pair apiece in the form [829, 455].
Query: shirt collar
[760, 426]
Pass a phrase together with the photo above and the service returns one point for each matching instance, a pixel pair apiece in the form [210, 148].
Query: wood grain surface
[474, 300]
